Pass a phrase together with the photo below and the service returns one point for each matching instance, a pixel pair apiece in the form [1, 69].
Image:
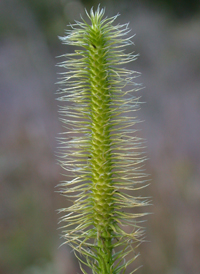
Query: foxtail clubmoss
[100, 149]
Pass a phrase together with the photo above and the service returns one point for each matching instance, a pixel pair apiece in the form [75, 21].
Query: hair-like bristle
[100, 150]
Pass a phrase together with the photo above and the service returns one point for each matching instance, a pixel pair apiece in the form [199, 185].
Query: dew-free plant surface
[100, 149]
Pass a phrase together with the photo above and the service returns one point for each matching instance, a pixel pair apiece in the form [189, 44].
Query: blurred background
[168, 40]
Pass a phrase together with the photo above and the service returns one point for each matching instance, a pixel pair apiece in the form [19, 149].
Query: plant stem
[102, 156]
[101, 164]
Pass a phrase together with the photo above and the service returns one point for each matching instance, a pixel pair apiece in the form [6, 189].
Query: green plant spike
[100, 150]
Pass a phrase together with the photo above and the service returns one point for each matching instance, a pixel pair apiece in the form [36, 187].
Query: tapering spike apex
[100, 149]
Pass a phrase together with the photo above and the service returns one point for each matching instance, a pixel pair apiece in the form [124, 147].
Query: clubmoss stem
[101, 165]
[100, 149]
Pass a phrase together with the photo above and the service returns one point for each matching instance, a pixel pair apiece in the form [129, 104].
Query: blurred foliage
[48, 268]
[49, 15]
[23, 241]
[177, 8]
[52, 16]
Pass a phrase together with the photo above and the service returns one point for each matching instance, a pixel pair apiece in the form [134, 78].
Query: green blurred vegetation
[49, 15]
[52, 16]
[178, 8]
[27, 234]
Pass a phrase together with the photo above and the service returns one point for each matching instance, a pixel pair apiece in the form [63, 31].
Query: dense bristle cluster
[99, 149]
